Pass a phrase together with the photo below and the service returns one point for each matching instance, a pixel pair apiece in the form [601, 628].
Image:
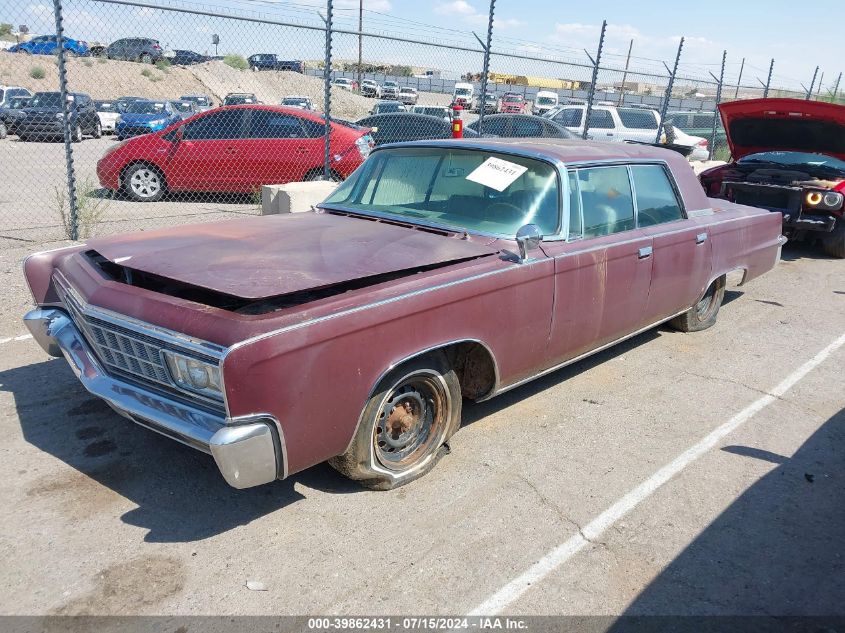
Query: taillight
[702, 143]
[157, 47]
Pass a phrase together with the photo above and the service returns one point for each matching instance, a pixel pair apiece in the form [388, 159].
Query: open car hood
[790, 125]
[259, 258]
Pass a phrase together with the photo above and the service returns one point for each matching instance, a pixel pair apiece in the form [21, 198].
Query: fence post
[669, 88]
[625, 74]
[836, 88]
[327, 92]
[73, 218]
[739, 79]
[769, 79]
[812, 85]
[482, 101]
[591, 95]
[718, 100]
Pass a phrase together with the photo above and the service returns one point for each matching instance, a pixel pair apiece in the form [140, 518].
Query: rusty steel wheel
[404, 427]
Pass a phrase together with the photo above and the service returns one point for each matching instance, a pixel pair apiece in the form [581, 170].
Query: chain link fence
[96, 93]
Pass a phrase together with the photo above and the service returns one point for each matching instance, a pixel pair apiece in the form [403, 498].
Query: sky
[753, 29]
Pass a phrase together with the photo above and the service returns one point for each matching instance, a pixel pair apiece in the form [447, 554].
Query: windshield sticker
[496, 173]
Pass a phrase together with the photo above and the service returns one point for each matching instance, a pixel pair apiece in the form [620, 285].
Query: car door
[208, 157]
[572, 119]
[603, 269]
[279, 148]
[116, 50]
[638, 124]
[681, 258]
[602, 126]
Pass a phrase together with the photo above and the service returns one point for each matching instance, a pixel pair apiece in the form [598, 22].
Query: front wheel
[703, 314]
[143, 183]
[403, 430]
[834, 244]
[98, 130]
[76, 135]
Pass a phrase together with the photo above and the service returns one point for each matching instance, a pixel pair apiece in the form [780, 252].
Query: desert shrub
[236, 61]
[37, 72]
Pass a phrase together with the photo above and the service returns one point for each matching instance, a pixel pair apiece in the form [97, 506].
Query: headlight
[60, 115]
[824, 200]
[833, 200]
[194, 375]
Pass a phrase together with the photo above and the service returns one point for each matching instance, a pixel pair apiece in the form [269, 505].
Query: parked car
[408, 95]
[182, 57]
[109, 113]
[276, 343]
[788, 157]
[490, 103]
[699, 147]
[609, 123]
[390, 90]
[135, 49]
[270, 61]
[8, 93]
[201, 102]
[12, 112]
[49, 45]
[370, 88]
[512, 103]
[44, 117]
[698, 124]
[462, 95]
[240, 98]
[298, 102]
[395, 127]
[232, 149]
[545, 101]
[123, 102]
[345, 83]
[441, 112]
[520, 126]
[183, 108]
[385, 107]
[145, 116]
[97, 50]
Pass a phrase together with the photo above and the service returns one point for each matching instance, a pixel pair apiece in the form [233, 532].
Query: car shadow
[775, 551]
[793, 251]
[179, 493]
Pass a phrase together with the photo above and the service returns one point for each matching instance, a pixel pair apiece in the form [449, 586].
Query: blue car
[145, 116]
[48, 45]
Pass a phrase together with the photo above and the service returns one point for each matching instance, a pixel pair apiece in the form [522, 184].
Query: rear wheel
[98, 130]
[76, 134]
[3, 130]
[145, 58]
[405, 425]
[143, 183]
[834, 244]
[703, 314]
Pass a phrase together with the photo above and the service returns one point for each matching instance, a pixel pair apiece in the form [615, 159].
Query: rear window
[638, 119]
[657, 202]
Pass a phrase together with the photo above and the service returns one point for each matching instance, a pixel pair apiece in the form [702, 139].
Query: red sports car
[232, 149]
[788, 156]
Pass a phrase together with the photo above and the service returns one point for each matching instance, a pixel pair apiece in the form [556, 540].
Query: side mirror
[178, 134]
[528, 238]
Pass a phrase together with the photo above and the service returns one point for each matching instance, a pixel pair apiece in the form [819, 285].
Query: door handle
[645, 252]
[701, 238]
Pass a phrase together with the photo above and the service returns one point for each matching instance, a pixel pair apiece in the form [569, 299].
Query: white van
[544, 102]
[462, 95]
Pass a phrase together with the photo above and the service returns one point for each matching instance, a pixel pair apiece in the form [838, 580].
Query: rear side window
[606, 200]
[267, 124]
[602, 120]
[702, 120]
[638, 119]
[657, 202]
[494, 126]
[527, 127]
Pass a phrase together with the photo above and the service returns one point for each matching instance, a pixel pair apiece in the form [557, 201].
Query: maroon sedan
[232, 149]
[441, 270]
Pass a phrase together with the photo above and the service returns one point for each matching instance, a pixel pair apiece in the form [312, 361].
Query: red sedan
[232, 149]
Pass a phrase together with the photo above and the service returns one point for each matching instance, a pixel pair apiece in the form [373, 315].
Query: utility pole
[360, 38]
[719, 81]
[739, 80]
[625, 74]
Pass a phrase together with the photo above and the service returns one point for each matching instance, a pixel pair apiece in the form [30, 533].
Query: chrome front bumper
[248, 451]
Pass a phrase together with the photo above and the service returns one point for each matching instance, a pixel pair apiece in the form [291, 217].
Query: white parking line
[22, 337]
[510, 592]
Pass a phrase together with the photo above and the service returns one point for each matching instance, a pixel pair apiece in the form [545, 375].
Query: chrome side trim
[554, 368]
[405, 359]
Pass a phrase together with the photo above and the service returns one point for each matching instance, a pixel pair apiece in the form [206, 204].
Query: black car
[521, 126]
[12, 112]
[240, 98]
[183, 57]
[406, 126]
[270, 61]
[135, 49]
[44, 116]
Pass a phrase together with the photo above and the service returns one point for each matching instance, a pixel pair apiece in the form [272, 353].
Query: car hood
[134, 119]
[259, 258]
[791, 125]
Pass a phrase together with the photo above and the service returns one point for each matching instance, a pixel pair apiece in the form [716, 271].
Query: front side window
[657, 202]
[267, 124]
[569, 117]
[217, 126]
[606, 200]
[601, 120]
[457, 188]
[527, 127]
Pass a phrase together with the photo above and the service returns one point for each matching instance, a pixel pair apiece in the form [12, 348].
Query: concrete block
[294, 197]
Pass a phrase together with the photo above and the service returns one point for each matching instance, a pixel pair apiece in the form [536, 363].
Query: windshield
[546, 101]
[462, 91]
[391, 84]
[203, 101]
[795, 159]
[19, 102]
[459, 189]
[181, 106]
[145, 107]
[293, 101]
[239, 100]
[46, 100]
[106, 106]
